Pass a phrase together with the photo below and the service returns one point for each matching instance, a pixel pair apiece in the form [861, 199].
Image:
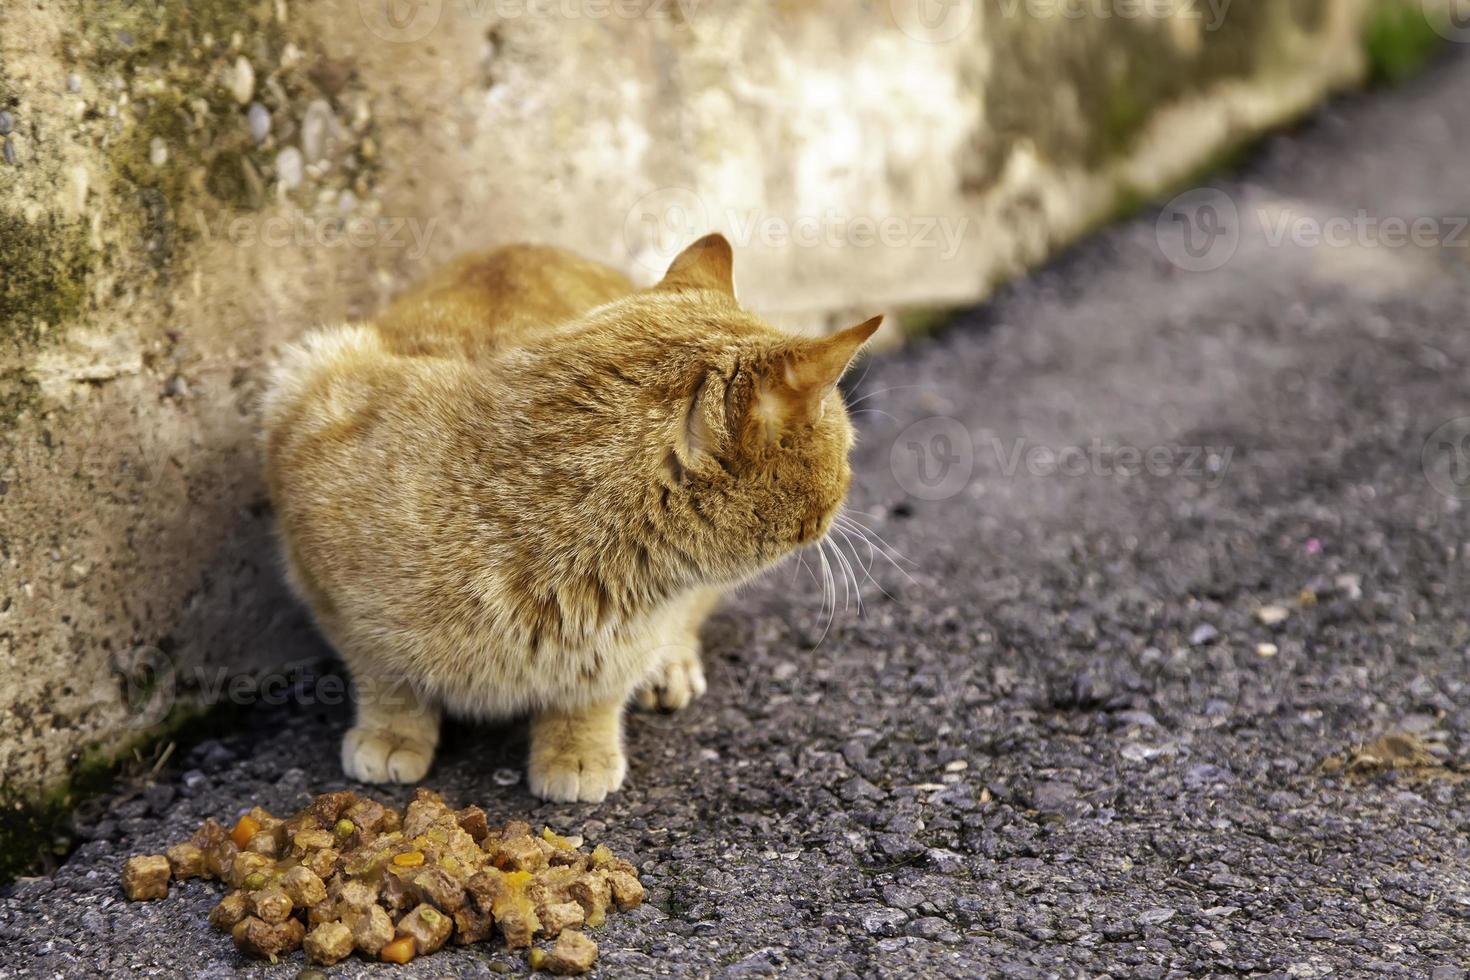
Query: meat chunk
[249, 870]
[264, 842]
[505, 896]
[267, 940]
[230, 910]
[210, 833]
[559, 917]
[185, 861]
[572, 955]
[304, 886]
[425, 813]
[473, 822]
[570, 859]
[369, 815]
[428, 926]
[627, 890]
[440, 889]
[322, 862]
[520, 853]
[328, 807]
[145, 877]
[270, 904]
[312, 839]
[471, 925]
[594, 894]
[397, 893]
[372, 930]
[322, 912]
[356, 896]
[328, 943]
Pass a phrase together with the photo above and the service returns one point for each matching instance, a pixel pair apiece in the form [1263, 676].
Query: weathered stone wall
[185, 185]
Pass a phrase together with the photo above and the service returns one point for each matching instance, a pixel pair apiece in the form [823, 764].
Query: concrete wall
[185, 185]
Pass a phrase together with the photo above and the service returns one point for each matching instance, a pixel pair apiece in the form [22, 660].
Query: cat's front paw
[374, 755]
[674, 684]
[573, 776]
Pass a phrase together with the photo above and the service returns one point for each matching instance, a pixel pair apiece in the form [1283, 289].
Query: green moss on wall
[36, 834]
[183, 146]
[173, 53]
[45, 280]
[1106, 78]
[1399, 41]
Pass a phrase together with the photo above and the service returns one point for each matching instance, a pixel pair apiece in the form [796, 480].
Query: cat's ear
[815, 368]
[707, 264]
[797, 385]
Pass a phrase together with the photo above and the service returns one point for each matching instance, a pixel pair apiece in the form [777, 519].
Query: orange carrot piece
[245, 829]
[399, 950]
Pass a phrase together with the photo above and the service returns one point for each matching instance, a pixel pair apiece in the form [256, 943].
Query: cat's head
[755, 463]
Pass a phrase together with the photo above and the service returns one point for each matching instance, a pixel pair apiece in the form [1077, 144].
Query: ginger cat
[524, 486]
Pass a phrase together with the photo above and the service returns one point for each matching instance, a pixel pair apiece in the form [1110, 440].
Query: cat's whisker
[857, 586]
[881, 391]
[853, 536]
[879, 547]
[800, 565]
[839, 565]
[824, 543]
[829, 588]
[872, 411]
[847, 534]
[888, 551]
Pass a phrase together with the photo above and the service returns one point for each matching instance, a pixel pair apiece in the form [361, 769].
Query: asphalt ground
[1058, 739]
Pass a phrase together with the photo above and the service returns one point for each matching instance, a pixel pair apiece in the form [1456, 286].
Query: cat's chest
[485, 667]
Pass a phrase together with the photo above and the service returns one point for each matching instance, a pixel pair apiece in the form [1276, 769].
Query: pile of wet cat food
[349, 874]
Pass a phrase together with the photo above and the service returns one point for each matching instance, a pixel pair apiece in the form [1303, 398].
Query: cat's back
[488, 301]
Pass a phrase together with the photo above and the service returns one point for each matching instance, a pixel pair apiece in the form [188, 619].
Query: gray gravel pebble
[258, 118]
[289, 168]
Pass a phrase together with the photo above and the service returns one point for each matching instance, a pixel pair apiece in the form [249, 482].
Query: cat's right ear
[707, 264]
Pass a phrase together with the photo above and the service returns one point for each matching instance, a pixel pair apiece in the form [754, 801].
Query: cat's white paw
[373, 755]
[679, 681]
[570, 776]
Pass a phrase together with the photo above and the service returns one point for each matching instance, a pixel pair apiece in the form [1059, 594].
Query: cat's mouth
[813, 531]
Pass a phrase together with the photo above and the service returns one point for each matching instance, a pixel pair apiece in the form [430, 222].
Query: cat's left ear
[818, 366]
[797, 386]
[707, 264]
